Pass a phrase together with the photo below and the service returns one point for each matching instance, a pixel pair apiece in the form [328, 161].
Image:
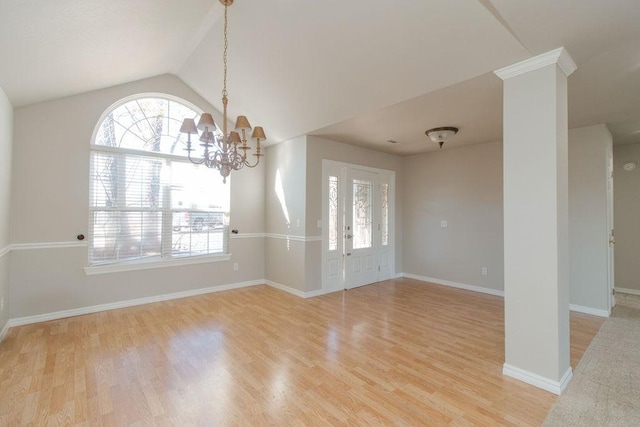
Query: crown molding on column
[558, 56]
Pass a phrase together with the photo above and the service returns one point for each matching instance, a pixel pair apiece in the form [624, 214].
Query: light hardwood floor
[400, 352]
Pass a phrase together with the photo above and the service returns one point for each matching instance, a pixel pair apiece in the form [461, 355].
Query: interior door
[361, 239]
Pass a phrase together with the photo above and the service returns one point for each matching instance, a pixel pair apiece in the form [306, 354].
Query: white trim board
[589, 310]
[296, 292]
[46, 245]
[627, 291]
[293, 238]
[555, 387]
[449, 283]
[149, 265]
[19, 321]
[247, 236]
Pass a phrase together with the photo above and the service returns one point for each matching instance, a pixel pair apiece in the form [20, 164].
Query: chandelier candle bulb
[221, 149]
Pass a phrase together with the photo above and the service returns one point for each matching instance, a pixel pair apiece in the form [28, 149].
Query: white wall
[627, 217]
[462, 186]
[6, 142]
[589, 148]
[50, 204]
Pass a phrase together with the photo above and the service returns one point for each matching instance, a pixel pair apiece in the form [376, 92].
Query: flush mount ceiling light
[629, 166]
[440, 135]
[223, 151]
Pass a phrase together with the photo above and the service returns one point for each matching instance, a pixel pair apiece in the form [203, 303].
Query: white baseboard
[589, 310]
[473, 288]
[627, 291]
[19, 321]
[572, 307]
[295, 292]
[555, 387]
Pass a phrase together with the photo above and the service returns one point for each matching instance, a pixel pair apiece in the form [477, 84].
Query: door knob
[349, 236]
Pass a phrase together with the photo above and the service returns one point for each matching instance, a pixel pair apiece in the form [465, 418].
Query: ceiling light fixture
[440, 135]
[223, 151]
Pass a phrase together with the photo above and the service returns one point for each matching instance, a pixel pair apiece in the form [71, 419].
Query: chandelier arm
[195, 162]
[246, 162]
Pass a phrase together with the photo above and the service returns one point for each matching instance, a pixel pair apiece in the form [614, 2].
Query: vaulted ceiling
[358, 71]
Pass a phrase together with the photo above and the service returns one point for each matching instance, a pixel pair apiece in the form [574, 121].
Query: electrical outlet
[235, 266]
[2, 304]
[484, 271]
[444, 224]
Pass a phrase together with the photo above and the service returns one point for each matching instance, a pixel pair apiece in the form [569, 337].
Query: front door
[357, 225]
[361, 236]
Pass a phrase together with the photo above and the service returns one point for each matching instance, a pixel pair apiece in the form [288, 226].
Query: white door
[361, 237]
[357, 225]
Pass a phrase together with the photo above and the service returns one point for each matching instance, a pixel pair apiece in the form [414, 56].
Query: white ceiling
[357, 71]
[50, 49]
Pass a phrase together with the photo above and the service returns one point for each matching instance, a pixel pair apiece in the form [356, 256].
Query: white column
[536, 247]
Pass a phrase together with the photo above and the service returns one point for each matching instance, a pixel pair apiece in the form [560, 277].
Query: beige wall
[589, 148]
[50, 204]
[627, 217]
[6, 143]
[296, 262]
[285, 179]
[462, 186]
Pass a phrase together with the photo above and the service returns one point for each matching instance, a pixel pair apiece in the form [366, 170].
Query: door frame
[336, 168]
[611, 298]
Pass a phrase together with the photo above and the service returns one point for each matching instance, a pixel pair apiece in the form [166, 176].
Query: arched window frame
[157, 229]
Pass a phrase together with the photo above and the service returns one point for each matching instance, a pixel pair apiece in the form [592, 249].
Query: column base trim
[555, 387]
[296, 292]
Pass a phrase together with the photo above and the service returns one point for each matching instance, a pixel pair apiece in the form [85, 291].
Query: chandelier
[224, 151]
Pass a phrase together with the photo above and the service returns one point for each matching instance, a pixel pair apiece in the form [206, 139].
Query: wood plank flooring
[400, 352]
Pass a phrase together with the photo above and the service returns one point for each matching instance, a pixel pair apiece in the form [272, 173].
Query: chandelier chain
[224, 55]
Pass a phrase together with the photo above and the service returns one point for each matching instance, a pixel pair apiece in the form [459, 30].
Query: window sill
[148, 265]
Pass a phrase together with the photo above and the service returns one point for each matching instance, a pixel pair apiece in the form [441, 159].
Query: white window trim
[148, 264]
[155, 262]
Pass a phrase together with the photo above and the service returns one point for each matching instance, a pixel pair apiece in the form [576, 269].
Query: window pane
[385, 214]
[362, 214]
[127, 181]
[198, 188]
[118, 236]
[198, 233]
[149, 124]
[333, 213]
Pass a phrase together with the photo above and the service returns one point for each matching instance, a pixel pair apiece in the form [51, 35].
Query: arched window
[148, 201]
